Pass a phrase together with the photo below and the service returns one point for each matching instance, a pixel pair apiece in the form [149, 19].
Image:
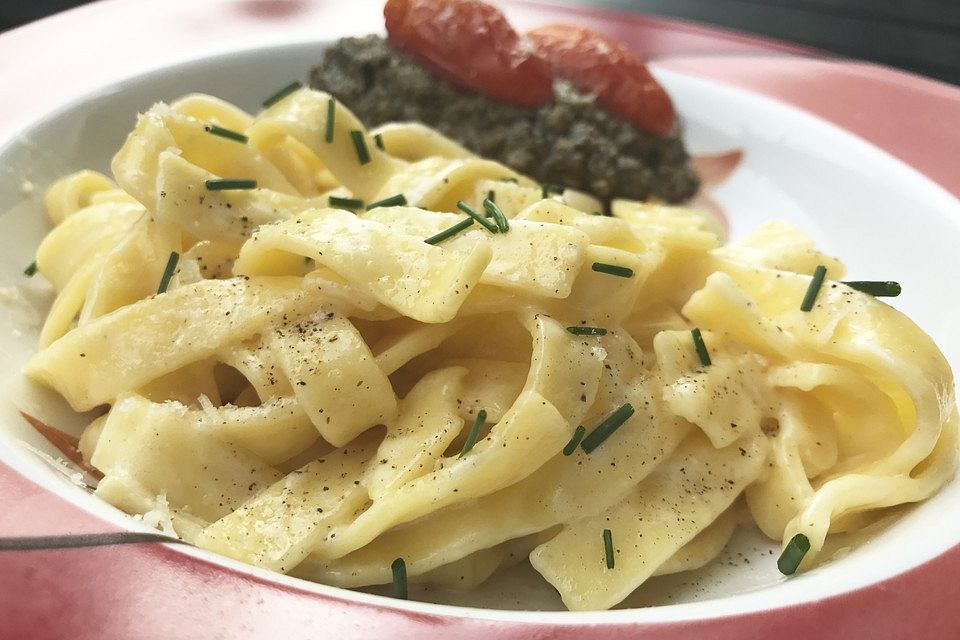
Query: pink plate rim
[155, 591]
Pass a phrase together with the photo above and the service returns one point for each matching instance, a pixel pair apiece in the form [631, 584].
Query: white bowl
[881, 217]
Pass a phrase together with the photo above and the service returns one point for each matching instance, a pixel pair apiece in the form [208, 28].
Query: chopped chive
[447, 233]
[168, 271]
[701, 347]
[574, 441]
[606, 428]
[612, 269]
[283, 93]
[818, 275]
[393, 201]
[492, 196]
[467, 209]
[547, 189]
[378, 140]
[399, 568]
[223, 132]
[31, 269]
[793, 554]
[346, 203]
[474, 432]
[876, 288]
[587, 331]
[608, 547]
[361, 146]
[331, 114]
[492, 208]
[223, 184]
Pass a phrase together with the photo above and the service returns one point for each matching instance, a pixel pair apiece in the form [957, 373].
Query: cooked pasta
[322, 348]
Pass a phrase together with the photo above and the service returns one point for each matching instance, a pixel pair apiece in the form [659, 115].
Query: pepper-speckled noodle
[321, 392]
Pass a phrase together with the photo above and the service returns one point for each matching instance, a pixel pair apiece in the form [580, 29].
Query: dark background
[922, 36]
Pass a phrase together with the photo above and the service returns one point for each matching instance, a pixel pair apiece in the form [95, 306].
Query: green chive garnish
[608, 547]
[587, 331]
[399, 568]
[574, 441]
[701, 347]
[492, 208]
[613, 270]
[547, 189]
[467, 209]
[224, 184]
[283, 93]
[793, 554]
[814, 288]
[168, 271]
[508, 179]
[393, 201]
[361, 146]
[378, 140]
[31, 269]
[331, 114]
[492, 196]
[474, 432]
[229, 134]
[452, 231]
[876, 288]
[606, 428]
[346, 203]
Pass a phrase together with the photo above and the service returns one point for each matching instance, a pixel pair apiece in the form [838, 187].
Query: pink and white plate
[861, 157]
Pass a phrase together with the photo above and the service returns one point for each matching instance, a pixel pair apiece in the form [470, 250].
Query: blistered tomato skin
[598, 64]
[472, 45]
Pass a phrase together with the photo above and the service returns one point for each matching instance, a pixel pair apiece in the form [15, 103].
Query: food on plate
[564, 105]
[363, 356]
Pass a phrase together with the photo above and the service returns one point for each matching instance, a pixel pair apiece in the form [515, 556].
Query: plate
[884, 218]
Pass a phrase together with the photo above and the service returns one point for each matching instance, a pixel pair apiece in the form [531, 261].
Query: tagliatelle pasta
[321, 349]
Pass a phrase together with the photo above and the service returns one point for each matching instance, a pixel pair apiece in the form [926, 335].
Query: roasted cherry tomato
[600, 65]
[472, 45]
